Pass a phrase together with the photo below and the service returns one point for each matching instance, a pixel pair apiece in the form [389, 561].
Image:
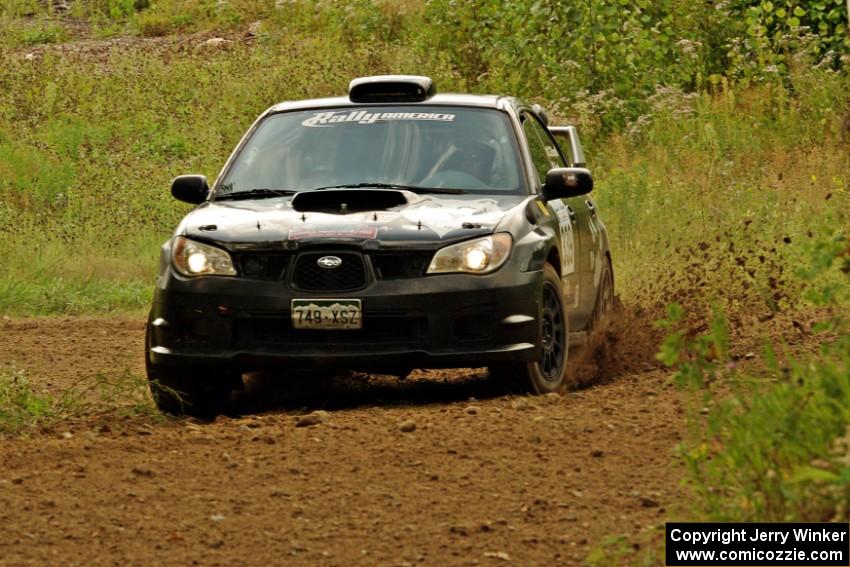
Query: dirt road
[493, 480]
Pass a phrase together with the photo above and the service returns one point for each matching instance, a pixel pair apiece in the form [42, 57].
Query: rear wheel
[188, 391]
[547, 373]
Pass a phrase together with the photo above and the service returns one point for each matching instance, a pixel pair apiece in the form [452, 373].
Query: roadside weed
[24, 408]
[21, 407]
[126, 394]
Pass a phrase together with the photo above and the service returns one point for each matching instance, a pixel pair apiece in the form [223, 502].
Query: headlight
[193, 258]
[479, 256]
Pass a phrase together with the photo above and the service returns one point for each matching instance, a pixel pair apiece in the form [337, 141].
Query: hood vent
[391, 88]
[344, 201]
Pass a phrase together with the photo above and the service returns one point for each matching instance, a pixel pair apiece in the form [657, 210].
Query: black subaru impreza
[391, 229]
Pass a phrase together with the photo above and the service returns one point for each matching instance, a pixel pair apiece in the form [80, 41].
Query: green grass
[24, 408]
[42, 33]
[779, 450]
[84, 199]
[722, 195]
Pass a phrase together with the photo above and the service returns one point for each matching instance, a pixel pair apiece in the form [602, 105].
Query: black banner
[742, 545]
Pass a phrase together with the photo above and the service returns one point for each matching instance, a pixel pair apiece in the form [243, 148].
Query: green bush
[776, 29]
[777, 446]
[41, 33]
[626, 49]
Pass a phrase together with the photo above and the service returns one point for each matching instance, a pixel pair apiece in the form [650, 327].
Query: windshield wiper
[255, 194]
[411, 188]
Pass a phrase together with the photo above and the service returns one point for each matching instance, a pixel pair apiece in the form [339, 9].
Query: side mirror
[564, 182]
[190, 189]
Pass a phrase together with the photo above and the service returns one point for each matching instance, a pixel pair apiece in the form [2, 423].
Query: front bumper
[439, 321]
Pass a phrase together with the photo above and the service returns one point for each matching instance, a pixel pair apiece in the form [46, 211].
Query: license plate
[336, 314]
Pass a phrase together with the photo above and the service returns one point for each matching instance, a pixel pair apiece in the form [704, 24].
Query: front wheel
[546, 374]
[188, 391]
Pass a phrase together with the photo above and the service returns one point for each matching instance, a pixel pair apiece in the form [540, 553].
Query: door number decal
[565, 227]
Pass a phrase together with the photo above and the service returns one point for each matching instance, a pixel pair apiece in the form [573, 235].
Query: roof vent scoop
[391, 88]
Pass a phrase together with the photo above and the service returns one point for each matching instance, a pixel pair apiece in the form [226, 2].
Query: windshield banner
[326, 119]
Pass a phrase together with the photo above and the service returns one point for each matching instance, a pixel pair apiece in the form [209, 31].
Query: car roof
[442, 99]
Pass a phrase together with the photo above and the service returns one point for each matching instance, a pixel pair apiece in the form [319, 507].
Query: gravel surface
[438, 469]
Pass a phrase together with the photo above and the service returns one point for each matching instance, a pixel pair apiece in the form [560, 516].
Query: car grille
[349, 275]
[264, 265]
[399, 265]
[276, 266]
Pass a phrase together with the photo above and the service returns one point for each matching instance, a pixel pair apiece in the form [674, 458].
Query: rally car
[391, 229]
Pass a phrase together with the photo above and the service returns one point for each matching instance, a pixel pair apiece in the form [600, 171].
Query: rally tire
[547, 374]
[180, 391]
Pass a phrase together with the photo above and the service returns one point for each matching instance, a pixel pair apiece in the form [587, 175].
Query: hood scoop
[344, 201]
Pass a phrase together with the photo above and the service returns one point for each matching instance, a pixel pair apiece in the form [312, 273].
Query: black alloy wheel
[547, 374]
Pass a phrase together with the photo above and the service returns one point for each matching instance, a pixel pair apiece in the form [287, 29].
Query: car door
[593, 230]
[546, 155]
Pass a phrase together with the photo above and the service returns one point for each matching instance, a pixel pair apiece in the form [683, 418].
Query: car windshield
[469, 150]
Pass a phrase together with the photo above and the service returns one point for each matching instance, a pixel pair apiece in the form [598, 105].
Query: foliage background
[717, 113]
[718, 132]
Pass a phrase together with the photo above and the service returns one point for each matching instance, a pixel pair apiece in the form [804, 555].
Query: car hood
[404, 220]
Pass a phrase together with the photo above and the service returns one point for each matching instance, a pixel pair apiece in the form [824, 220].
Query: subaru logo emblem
[329, 262]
